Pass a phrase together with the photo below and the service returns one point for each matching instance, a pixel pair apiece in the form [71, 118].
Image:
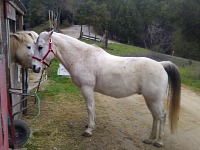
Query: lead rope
[37, 97]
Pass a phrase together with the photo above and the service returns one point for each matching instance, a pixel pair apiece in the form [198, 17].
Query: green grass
[61, 81]
[123, 49]
[190, 77]
[120, 49]
[58, 84]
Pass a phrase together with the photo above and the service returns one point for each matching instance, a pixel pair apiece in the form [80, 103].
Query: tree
[126, 24]
[101, 17]
[93, 14]
[160, 25]
[38, 10]
[184, 19]
[37, 13]
[57, 7]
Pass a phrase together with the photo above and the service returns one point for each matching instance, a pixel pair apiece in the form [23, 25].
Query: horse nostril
[40, 48]
[36, 70]
[39, 70]
[33, 67]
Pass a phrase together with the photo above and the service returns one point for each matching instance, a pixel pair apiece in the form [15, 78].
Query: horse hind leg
[153, 134]
[159, 120]
[162, 119]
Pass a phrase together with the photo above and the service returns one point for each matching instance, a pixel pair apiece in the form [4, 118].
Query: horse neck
[67, 49]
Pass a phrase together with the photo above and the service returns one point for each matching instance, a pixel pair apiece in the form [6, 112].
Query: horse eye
[40, 47]
[28, 47]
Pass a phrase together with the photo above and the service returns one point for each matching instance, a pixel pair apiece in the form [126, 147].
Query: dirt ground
[74, 31]
[122, 124]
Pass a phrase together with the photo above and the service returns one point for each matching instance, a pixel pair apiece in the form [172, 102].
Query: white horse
[93, 69]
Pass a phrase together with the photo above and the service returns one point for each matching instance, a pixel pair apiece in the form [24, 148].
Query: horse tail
[174, 92]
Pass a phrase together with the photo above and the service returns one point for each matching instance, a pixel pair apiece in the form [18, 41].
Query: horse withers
[94, 70]
[21, 47]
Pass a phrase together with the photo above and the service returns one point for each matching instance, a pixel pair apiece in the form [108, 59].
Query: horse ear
[50, 33]
[15, 36]
[30, 35]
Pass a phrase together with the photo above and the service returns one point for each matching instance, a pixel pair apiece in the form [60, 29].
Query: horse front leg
[88, 94]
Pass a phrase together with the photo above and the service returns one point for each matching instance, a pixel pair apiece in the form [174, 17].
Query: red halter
[43, 59]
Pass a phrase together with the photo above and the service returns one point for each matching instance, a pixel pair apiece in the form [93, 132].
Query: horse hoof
[147, 141]
[157, 144]
[85, 134]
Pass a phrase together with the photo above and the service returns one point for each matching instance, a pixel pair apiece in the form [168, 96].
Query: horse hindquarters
[155, 105]
[159, 119]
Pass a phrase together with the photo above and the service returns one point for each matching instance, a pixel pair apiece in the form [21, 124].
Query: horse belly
[117, 87]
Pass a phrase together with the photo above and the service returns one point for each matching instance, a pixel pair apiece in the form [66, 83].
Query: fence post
[105, 39]
[81, 32]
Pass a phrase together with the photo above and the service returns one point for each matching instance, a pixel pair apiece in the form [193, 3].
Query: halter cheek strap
[43, 59]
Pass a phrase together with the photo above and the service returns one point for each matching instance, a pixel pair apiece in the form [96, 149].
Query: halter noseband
[43, 59]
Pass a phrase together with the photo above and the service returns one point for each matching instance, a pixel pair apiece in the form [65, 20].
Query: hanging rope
[37, 96]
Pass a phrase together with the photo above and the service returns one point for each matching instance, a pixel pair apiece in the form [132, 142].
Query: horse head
[22, 47]
[24, 54]
[43, 53]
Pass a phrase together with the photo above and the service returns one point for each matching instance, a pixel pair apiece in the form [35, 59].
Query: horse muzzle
[36, 70]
